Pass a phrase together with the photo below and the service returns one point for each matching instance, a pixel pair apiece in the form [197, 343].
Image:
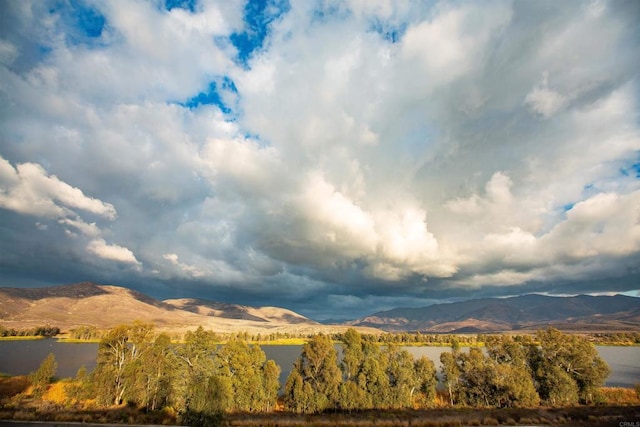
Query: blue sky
[332, 157]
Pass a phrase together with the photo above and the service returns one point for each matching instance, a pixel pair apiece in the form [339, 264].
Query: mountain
[235, 311]
[104, 306]
[526, 312]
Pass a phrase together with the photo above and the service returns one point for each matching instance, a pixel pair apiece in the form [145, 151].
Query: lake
[23, 356]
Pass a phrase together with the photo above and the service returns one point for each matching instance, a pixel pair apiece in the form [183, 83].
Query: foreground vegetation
[145, 377]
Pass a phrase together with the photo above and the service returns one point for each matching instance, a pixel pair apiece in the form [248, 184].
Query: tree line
[38, 331]
[199, 377]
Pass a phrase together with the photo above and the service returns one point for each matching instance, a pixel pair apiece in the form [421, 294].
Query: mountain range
[105, 306]
[520, 313]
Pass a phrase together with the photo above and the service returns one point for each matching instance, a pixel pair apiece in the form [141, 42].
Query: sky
[332, 157]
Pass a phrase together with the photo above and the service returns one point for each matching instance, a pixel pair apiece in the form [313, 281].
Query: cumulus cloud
[118, 253]
[28, 189]
[382, 152]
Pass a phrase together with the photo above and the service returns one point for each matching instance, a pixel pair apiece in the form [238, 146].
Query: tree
[196, 366]
[151, 373]
[314, 382]
[352, 354]
[513, 377]
[116, 372]
[451, 374]
[425, 374]
[43, 376]
[573, 355]
[477, 378]
[81, 387]
[374, 379]
[402, 381]
[271, 384]
[252, 380]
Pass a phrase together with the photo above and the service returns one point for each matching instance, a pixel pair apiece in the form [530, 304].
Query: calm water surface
[22, 357]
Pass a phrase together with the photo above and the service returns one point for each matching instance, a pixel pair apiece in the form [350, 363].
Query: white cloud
[186, 268]
[102, 249]
[544, 101]
[29, 189]
[90, 230]
[385, 148]
[450, 44]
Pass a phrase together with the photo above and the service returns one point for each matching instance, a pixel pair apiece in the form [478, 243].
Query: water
[24, 356]
[624, 363]
[21, 357]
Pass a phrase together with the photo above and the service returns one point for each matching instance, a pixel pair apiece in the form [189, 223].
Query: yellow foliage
[441, 400]
[56, 393]
[620, 396]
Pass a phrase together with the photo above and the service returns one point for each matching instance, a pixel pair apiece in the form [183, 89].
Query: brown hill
[103, 306]
[526, 312]
[235, 311]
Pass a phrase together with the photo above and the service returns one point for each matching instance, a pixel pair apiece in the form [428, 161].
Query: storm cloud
[332, 157]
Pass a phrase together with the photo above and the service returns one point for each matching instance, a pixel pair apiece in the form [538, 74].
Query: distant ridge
[105, 306]
[526, 312]
[235, 311]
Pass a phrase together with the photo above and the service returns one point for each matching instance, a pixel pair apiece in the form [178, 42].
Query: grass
[445, 417]
[22, 338]
[16, 403]
[77, 340]
[620, 396]
[282, 341]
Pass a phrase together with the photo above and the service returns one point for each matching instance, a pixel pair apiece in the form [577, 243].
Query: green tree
[373, 378]
[477, 378]
[151, 373]
[514, 387]
[297, 393]
[252, 380]
[43, 376]
[196, 366]
[402, 379]
[451, 374]
[82, 386]
[513, 377]
[118, 352]
[352, 354]
[425, 374]
[315, 379]
[271, 384]
[573, 355]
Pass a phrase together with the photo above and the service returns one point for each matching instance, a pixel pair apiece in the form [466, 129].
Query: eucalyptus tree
[246, 375]
[118, 351]
[314, 382]
[567, 368]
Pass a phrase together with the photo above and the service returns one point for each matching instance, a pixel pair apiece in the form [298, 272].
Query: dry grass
[11, 386]
[55, 406]
[577, 416]
[620, 396]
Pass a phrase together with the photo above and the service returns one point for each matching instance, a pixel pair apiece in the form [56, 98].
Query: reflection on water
[21, 357]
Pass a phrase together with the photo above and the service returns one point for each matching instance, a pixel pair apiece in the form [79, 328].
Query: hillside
[527, 312]
[235, 311]
[103, 306]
